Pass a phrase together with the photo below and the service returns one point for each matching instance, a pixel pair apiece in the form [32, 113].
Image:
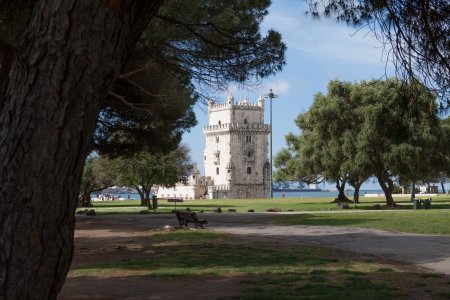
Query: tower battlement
[236, 152]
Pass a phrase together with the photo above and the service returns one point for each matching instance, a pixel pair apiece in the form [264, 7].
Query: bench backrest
[190, 216]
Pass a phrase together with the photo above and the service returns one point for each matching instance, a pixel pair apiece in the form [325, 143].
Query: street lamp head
[271, 95]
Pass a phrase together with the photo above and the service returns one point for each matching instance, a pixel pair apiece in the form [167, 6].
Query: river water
[287, 194]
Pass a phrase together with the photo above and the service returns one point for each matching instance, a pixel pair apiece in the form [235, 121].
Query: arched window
[249, 153]
[220, 122]
[245, 121]
[217, 171]
[217, 139]
[249, 170]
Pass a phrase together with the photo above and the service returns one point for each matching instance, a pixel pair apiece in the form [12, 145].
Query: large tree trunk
[141, 192]
[70, 54]
[356, 193]
[85, 201]
[386, 189]
[147, 191]
[7, 57]
[340, 186]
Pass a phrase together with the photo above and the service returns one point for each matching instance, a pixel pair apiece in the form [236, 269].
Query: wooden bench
[185, 217]
[175, 200]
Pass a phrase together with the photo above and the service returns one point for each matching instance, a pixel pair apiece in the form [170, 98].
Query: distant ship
[297, 187]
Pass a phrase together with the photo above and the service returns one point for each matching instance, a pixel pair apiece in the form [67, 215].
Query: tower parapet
[237, 149]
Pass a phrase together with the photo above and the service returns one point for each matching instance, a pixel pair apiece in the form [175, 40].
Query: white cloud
[325, 39]
[279, 87]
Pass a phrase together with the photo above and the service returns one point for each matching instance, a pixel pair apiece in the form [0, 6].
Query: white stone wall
[220, 115]
[186, 192]
[216, 156]
[237, 139]
[253, 115]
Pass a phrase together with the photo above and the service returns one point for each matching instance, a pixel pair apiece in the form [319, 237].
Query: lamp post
[271, 96]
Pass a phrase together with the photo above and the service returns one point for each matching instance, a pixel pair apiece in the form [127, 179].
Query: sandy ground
[100, 238]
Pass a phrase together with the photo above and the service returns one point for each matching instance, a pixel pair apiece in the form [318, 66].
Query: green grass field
[284, 272]
[259, 205]
[420, 221]
[431, 221]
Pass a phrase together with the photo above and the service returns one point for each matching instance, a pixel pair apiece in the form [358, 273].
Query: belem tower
[235, 156]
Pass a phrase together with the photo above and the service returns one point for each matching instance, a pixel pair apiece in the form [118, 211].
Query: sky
[317, 51]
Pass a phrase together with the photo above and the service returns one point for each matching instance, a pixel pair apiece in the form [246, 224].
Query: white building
[236, 152]
[195, 187]
[235, 157]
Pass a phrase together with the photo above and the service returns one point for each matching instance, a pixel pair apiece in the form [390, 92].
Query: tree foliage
[209, 43]
[215, 42]
[145, 169]
[149, 108]
[96, 177]
[363, 129]
[415, 34]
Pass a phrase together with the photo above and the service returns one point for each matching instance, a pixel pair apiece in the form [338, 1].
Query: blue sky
[318, 51]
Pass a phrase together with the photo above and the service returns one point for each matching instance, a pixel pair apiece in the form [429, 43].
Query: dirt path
[426, 251]
[101, 238]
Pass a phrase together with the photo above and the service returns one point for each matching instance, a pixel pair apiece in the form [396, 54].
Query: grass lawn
[431, 221]
[259, 205]
[420, 221]
[268, 272]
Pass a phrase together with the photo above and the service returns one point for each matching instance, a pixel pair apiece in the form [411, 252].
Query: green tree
[145, 169]
[209, 43]
[149, 108]
[397, 141]
[215, 42]
[95, 178]
[327, 146]
[414, 34]
[366, 128]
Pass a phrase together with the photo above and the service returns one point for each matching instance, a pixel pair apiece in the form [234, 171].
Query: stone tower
[236, 152]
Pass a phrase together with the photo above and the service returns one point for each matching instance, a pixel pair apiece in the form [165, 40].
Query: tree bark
[69, 56]
[356, 193]
[7, 57]
[141, 195]
[387, 189]
[340, 185]
[85, 201]
[443, 187]
[148, 191]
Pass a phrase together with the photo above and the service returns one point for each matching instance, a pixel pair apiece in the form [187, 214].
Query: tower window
[248, 138]
[245, 121]
[249, 170]
[229, 171]
[217, 171]
[249, 154]
[220, 122]
[217, 139]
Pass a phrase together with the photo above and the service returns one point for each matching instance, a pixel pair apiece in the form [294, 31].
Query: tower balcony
[228, 127]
